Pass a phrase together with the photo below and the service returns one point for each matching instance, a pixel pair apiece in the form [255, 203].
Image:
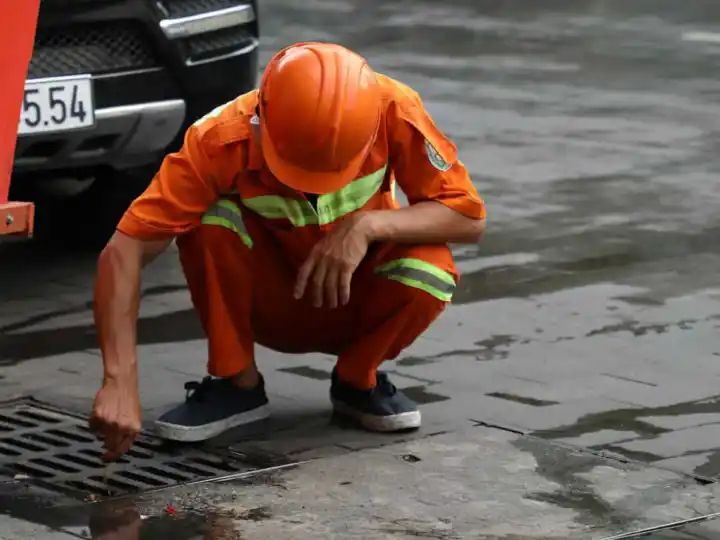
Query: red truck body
[18, 21]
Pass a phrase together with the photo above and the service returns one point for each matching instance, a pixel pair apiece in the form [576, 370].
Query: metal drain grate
[56, 451]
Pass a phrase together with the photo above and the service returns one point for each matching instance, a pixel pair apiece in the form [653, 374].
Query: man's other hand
[329, 268]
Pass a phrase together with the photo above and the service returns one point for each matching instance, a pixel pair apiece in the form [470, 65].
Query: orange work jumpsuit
[243, 235]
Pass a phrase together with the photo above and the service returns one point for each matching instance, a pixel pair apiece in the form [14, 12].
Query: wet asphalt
[591, 128]
[590, 314]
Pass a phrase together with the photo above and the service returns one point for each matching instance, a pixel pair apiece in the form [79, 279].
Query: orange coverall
[243, 235]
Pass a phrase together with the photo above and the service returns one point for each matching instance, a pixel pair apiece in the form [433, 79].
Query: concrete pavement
[589, 316]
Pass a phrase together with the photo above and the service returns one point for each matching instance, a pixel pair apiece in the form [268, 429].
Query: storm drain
[55, 450]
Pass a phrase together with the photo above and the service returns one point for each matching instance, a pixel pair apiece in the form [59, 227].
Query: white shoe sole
[204, 432]
[385, 424]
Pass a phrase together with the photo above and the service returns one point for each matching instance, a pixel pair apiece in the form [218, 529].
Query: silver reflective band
[225, 213]
[423, 277]
[207, 22]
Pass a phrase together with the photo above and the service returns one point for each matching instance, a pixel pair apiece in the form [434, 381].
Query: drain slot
[16, 421]
[8, 451]
[24, 445]
[69, 436]
[35, 472]
[139, 454]
[36, 416]
[188, 469]
[54, 465]
[47, 440]
[214, 465]
[58, 453]
[98, 455]
[143, 479]
[88, 488]
[119, 484]
[79, 460]
[167, 474]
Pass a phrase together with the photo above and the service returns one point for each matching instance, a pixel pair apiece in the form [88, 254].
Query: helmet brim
[314, 182]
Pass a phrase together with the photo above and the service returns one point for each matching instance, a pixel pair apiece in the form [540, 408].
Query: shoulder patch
[435, 159]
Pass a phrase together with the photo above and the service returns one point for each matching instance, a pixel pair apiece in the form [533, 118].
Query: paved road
[589, 315]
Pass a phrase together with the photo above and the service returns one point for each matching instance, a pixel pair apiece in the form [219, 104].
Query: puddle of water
[123, 519]
[632, 419]
[638, 329]
[575, 492]
[125, 522]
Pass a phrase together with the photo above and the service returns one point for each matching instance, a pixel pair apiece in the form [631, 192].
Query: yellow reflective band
[331, 206]
[298, 212]
[354, 196]
[421, 275]
[419, 264]
[440, 295]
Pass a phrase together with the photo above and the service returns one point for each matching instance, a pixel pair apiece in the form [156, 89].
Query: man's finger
[95, 424]
[344, 286]
[318, 279]
[331, 287]
[304, 274]
[120, 445]
[113, 437]
[98, 427]
[125, 443]
[111, 455]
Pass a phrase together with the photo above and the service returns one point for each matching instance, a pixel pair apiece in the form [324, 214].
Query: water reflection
[123, 520]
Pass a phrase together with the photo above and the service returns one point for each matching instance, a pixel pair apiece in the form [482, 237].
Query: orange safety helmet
[319, 115]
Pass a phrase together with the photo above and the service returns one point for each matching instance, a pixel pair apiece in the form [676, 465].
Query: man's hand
[331, 263]
[116, 413]
[116, 416]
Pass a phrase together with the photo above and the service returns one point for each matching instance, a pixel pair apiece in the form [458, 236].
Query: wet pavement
[590, 314]
[474, 483]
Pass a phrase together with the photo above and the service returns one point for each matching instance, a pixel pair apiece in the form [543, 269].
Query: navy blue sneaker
[384, 408]
[211, 407]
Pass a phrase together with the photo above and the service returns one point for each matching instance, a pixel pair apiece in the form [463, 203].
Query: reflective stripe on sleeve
[225, 213]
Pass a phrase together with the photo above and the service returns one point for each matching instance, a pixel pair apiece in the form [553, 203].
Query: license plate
[58, 104]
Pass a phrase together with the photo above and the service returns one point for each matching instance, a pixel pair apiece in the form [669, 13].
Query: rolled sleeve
[187, 184]
[425, 162]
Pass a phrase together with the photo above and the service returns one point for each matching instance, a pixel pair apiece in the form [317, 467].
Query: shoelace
[384, 386]
[196, 391]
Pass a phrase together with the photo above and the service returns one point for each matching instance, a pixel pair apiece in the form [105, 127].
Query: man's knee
[426, 275]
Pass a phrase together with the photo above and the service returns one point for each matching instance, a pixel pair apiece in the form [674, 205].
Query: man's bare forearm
[425, 222]
[117, 299]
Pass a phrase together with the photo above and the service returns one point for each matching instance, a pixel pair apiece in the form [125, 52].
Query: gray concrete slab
[14, 529]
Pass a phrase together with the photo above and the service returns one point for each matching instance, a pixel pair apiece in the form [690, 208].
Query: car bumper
[175, 70]
[123, 136]
[152, 115]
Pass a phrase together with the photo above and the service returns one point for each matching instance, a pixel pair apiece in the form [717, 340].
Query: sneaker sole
[383, 424]
[204, 432]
